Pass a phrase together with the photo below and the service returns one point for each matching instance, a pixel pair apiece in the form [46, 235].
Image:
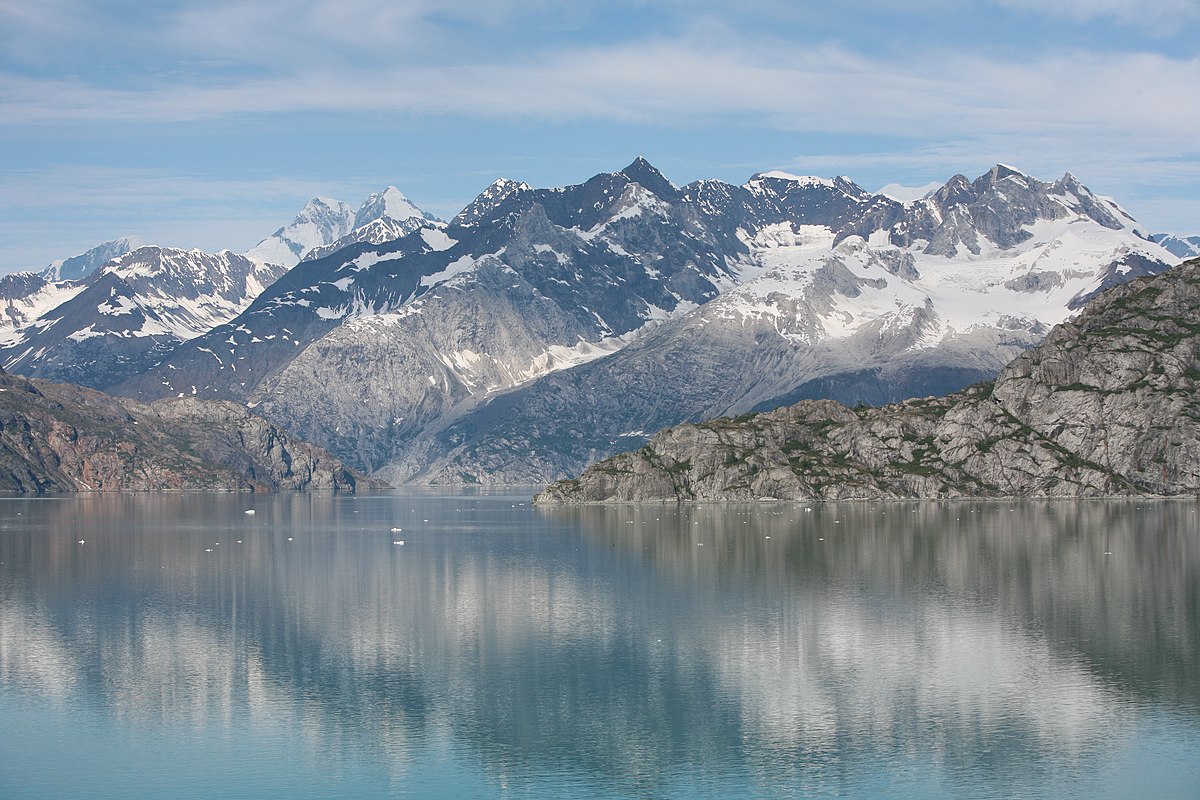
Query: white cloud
[1149, 96]
[1117, 117]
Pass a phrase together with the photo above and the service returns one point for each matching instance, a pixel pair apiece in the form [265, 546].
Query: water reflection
[644, 650]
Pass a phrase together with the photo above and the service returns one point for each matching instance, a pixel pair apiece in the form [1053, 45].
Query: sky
[209, 123]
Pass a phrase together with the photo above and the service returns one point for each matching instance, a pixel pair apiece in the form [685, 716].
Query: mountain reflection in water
[852, 649]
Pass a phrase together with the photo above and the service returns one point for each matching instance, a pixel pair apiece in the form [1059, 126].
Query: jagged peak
[507, 185]
[490, 198]
[318, 206]
[316, 210]
[844, 184]
[956, 190]
[80, 266]
[650, 177]
[390, 202]
[1070, 183]
[1002, 170]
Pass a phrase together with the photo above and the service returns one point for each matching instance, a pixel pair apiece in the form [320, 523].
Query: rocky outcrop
[60, 438]
[1107, 405]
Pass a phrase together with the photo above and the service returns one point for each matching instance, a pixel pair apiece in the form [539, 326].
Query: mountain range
[541, 329]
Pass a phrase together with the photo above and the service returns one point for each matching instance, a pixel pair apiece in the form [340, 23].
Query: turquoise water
[186, 649]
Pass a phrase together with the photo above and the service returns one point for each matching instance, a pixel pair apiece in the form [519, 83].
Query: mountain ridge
[574, 278]
[466, 351]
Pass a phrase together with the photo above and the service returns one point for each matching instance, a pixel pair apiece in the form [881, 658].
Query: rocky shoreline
[58, 437]
[1106, 406]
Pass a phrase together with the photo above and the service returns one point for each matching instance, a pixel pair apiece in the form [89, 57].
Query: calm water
[187, 649]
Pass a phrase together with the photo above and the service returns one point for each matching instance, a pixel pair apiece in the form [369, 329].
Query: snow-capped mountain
[319, 223]
[25, 296]
[324, 226]
[1182, 246]
[383, 217]
[80, 266]
[390, 203]
[449, 316]
[542, 328]
[66, 330]
[829, 313]
[125, 315]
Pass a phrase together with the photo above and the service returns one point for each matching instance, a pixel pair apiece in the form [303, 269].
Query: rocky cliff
[59, 437]
[1107, 405]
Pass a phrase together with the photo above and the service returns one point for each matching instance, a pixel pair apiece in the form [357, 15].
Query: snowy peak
[1080, 200]
[807, 200]
[780, 175]
[325, 225]
[321, 218]
[998, 210]
[489, 200]
[118, 321]
[80, 266]
[322, 221]
[392, 203]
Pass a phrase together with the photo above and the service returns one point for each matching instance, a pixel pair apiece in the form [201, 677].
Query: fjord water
[175, 646]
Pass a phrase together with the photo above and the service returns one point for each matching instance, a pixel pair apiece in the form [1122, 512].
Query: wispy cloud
[1140, 13]
[1120, 111]
[673, 82]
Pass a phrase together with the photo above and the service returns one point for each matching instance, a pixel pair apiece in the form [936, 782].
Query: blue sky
[209, 123]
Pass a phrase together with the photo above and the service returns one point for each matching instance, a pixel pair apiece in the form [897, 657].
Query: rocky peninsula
[1106, 406]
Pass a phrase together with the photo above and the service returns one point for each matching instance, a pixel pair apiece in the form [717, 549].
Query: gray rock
[60, 438]
[1107, 405]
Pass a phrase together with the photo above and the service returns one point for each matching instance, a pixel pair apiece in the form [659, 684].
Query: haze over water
[187, 649]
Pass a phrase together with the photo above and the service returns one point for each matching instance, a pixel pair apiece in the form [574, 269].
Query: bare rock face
[227, 434]
[59, 437]
[1108, 405]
